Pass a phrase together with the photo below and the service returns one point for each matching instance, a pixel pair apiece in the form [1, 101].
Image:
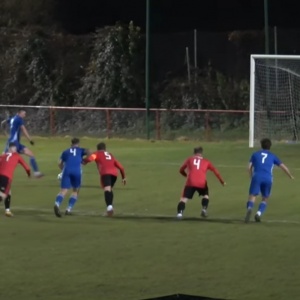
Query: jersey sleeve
[251, 160]
[23, 164]
[277, 161]
[216, 172]
[120, 167]
[183, 167]
[91, 158]
[63, 156]
[84, 152]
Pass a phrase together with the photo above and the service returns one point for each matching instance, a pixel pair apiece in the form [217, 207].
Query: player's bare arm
[250, 169]
[61, 164]
[286, 170]
[25, 132]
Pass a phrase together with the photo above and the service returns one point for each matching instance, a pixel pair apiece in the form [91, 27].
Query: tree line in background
[42, 64]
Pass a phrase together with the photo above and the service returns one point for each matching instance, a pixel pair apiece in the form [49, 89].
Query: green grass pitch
[144, 251]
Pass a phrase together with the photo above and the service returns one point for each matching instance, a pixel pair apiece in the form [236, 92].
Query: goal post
[274, 97]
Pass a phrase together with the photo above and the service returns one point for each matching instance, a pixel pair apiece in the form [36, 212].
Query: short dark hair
[198, 150]
[75, 141]
[101, 146]
[266, 144]
[12, 144]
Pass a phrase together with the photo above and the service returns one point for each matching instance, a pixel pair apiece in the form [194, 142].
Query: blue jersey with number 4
[72, 159]
[263, 162]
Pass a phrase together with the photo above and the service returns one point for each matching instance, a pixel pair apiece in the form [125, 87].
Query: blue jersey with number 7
[263, 162]
[72, 158]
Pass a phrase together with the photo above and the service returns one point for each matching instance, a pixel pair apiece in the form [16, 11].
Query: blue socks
[59, 199]
[33, 164]
[250, 204]
[262, 207]
[72, 202]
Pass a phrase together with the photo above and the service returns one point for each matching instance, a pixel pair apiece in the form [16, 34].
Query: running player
[70, 164]
[197, 167]
[261, 172]
[8, 163]
[16, 126]
[108, 168]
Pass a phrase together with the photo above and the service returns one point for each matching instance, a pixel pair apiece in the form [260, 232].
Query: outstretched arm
[217, 174]
[25, 132]
[286, 170]
[122, 171]
[89, 159]
[24, 165]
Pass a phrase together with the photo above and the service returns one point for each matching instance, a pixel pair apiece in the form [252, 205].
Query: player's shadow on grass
[174, 219]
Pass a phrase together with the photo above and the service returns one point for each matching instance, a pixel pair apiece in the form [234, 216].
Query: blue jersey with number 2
[263, 162]
[71, 175]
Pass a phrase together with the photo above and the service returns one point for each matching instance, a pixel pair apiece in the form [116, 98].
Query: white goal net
[274, 98]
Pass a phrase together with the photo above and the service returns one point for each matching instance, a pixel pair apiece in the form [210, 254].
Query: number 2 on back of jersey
[197, 163]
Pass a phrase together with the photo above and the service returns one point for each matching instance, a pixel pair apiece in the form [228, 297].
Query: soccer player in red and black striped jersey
[196, 167]
[108, 168]
[8, 164]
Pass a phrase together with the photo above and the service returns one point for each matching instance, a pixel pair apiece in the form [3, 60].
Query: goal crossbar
[276, 59]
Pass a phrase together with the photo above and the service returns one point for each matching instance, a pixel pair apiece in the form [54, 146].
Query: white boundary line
[141, 216]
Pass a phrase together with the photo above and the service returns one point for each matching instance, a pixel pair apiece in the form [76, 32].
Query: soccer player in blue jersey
[70, 164]
[16, 126]
[260, 169]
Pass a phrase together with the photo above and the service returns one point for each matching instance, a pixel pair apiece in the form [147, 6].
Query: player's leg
[22, 149]
[65, 185]
[5, 184]
[187, 194]
[106, 181]
[110, 209]
[7, 203]
[205, 200]
[253, 192]
[75, 180]
[265, 192]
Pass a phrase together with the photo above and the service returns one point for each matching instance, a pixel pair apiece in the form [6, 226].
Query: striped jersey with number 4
[8, 163]
[197, 167]
[263, 162]
[106, 163]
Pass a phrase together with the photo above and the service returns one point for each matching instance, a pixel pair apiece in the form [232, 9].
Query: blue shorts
[260, 186]
[20, 147]
[70, 180]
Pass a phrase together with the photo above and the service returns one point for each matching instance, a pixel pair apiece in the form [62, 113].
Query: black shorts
[189, 191]
[5, 184]
[108, 180]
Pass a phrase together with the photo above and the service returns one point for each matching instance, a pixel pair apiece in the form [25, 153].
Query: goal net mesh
[277, 99]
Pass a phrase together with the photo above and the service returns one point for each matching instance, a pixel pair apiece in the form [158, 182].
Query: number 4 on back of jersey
[197, 163]
[73, 151]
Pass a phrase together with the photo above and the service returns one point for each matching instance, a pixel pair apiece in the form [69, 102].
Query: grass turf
[143, 251]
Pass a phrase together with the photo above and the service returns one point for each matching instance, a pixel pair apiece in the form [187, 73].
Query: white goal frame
[252, 88]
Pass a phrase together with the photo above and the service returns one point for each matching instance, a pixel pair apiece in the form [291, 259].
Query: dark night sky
[81, 16]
